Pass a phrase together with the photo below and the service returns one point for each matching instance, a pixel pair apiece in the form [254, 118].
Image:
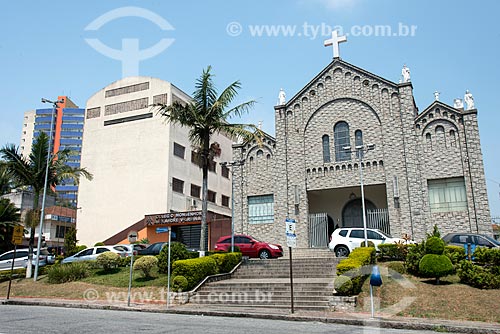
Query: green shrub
[351, 267]
[393, 252]
[454, 253]
[435, 266]
[195, 270]
[488, 257]
[108, 261]
[370, 244]
[178, 251]
[477, 276]
[397, 266]
[67, 272]
[146, 264]
[415, 253]
[226, 261]
[343, 285]
[434, 245]
[179, 283]
[99, 244]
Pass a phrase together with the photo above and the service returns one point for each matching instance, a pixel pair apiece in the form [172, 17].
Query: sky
[450, 46]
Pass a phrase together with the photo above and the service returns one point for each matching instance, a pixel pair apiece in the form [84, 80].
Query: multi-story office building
[144, 166]
[66, 132]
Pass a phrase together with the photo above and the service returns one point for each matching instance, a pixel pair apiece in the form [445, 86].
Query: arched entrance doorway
[352, 213]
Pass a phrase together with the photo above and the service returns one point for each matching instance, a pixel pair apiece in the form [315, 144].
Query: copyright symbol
[234, 29]
[90, 295]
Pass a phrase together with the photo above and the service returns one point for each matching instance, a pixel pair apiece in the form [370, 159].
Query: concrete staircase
[261, 284]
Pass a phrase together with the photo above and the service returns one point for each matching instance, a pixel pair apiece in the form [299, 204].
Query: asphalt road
[38, 319]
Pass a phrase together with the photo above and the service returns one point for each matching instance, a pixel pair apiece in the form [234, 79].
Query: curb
[410, 323]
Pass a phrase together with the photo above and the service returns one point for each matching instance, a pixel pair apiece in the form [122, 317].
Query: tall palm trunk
[204, 193]
[29, 264]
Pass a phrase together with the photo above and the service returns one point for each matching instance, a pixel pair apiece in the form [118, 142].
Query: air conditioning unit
[192, 204]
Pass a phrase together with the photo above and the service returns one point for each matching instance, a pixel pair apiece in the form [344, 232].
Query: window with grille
[326, 148]
[225, 201]
[225, 171]
[179, 150]
[211, 196]
[342, 140]
[177, 185]
[195, 191]
[447, 195]
[261, 209]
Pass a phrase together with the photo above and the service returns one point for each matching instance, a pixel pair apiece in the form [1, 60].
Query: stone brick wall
[403, 160]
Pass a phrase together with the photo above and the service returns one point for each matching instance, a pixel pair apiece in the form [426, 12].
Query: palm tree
[30, 172]
[9, 217]
[5, 179]
[205, 115]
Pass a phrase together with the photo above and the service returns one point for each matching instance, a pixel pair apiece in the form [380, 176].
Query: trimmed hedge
[226, 261]
[343, 285]
[195, 270]
[108, 261]
[179, 283]
[454, 253]
[435, 266]
[393, 252]
[145, 264]
[352, 268]
[485, 273]
[434, 245]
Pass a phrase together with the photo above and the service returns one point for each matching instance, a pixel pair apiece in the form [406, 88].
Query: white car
[93, 252]
[344, 240]
[21, 259]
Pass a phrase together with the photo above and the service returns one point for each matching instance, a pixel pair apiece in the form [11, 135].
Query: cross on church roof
[335, 41]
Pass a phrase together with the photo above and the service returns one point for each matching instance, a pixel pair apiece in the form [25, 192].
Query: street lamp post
[42, 212]
[360, 151]
[232, 164]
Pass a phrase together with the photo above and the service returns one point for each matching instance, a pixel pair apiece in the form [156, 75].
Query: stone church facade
[425, 168]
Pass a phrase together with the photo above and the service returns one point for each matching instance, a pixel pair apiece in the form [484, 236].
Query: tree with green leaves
[9, 217]
[70, 241]
[207, 114]
[29, 172]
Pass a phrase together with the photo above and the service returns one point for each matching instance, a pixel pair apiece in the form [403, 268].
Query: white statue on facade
[405, 72]
[469, 100]
[458, 104]
[281, 97]
[436, 95]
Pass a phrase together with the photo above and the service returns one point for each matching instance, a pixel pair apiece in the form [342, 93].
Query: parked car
[135, 248]
[93, 252]
[250, 246]
[21, 259]
[153, 249]
[461, 239]
[344, 240]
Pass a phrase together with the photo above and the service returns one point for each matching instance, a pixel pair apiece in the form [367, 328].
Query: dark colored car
[153, 249]
[249, 246]
[461, 239]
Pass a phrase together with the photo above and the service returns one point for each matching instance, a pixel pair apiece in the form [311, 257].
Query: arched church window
[358, 138]
[341, 138]
[428, 140]
[440, 139]
[326, 148]
[260, 153]
[453, 138]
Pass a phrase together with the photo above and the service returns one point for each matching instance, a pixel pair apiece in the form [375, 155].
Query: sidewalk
[359, 319]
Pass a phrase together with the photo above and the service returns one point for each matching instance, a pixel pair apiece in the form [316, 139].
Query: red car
[249, 246]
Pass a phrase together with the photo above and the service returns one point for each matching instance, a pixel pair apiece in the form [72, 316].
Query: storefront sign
[174, 218]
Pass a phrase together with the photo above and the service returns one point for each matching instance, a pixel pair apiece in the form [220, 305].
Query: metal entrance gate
[378, 218]
[318, 230]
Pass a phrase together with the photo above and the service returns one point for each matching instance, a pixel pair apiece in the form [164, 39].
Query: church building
[349, 127]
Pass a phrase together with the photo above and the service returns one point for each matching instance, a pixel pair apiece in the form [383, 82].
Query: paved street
[37, 319]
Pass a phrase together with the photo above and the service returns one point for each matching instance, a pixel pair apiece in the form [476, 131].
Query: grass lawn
[449, 300]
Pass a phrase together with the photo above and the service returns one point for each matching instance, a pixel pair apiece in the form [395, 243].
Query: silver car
[21, 259]
[93, 252]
